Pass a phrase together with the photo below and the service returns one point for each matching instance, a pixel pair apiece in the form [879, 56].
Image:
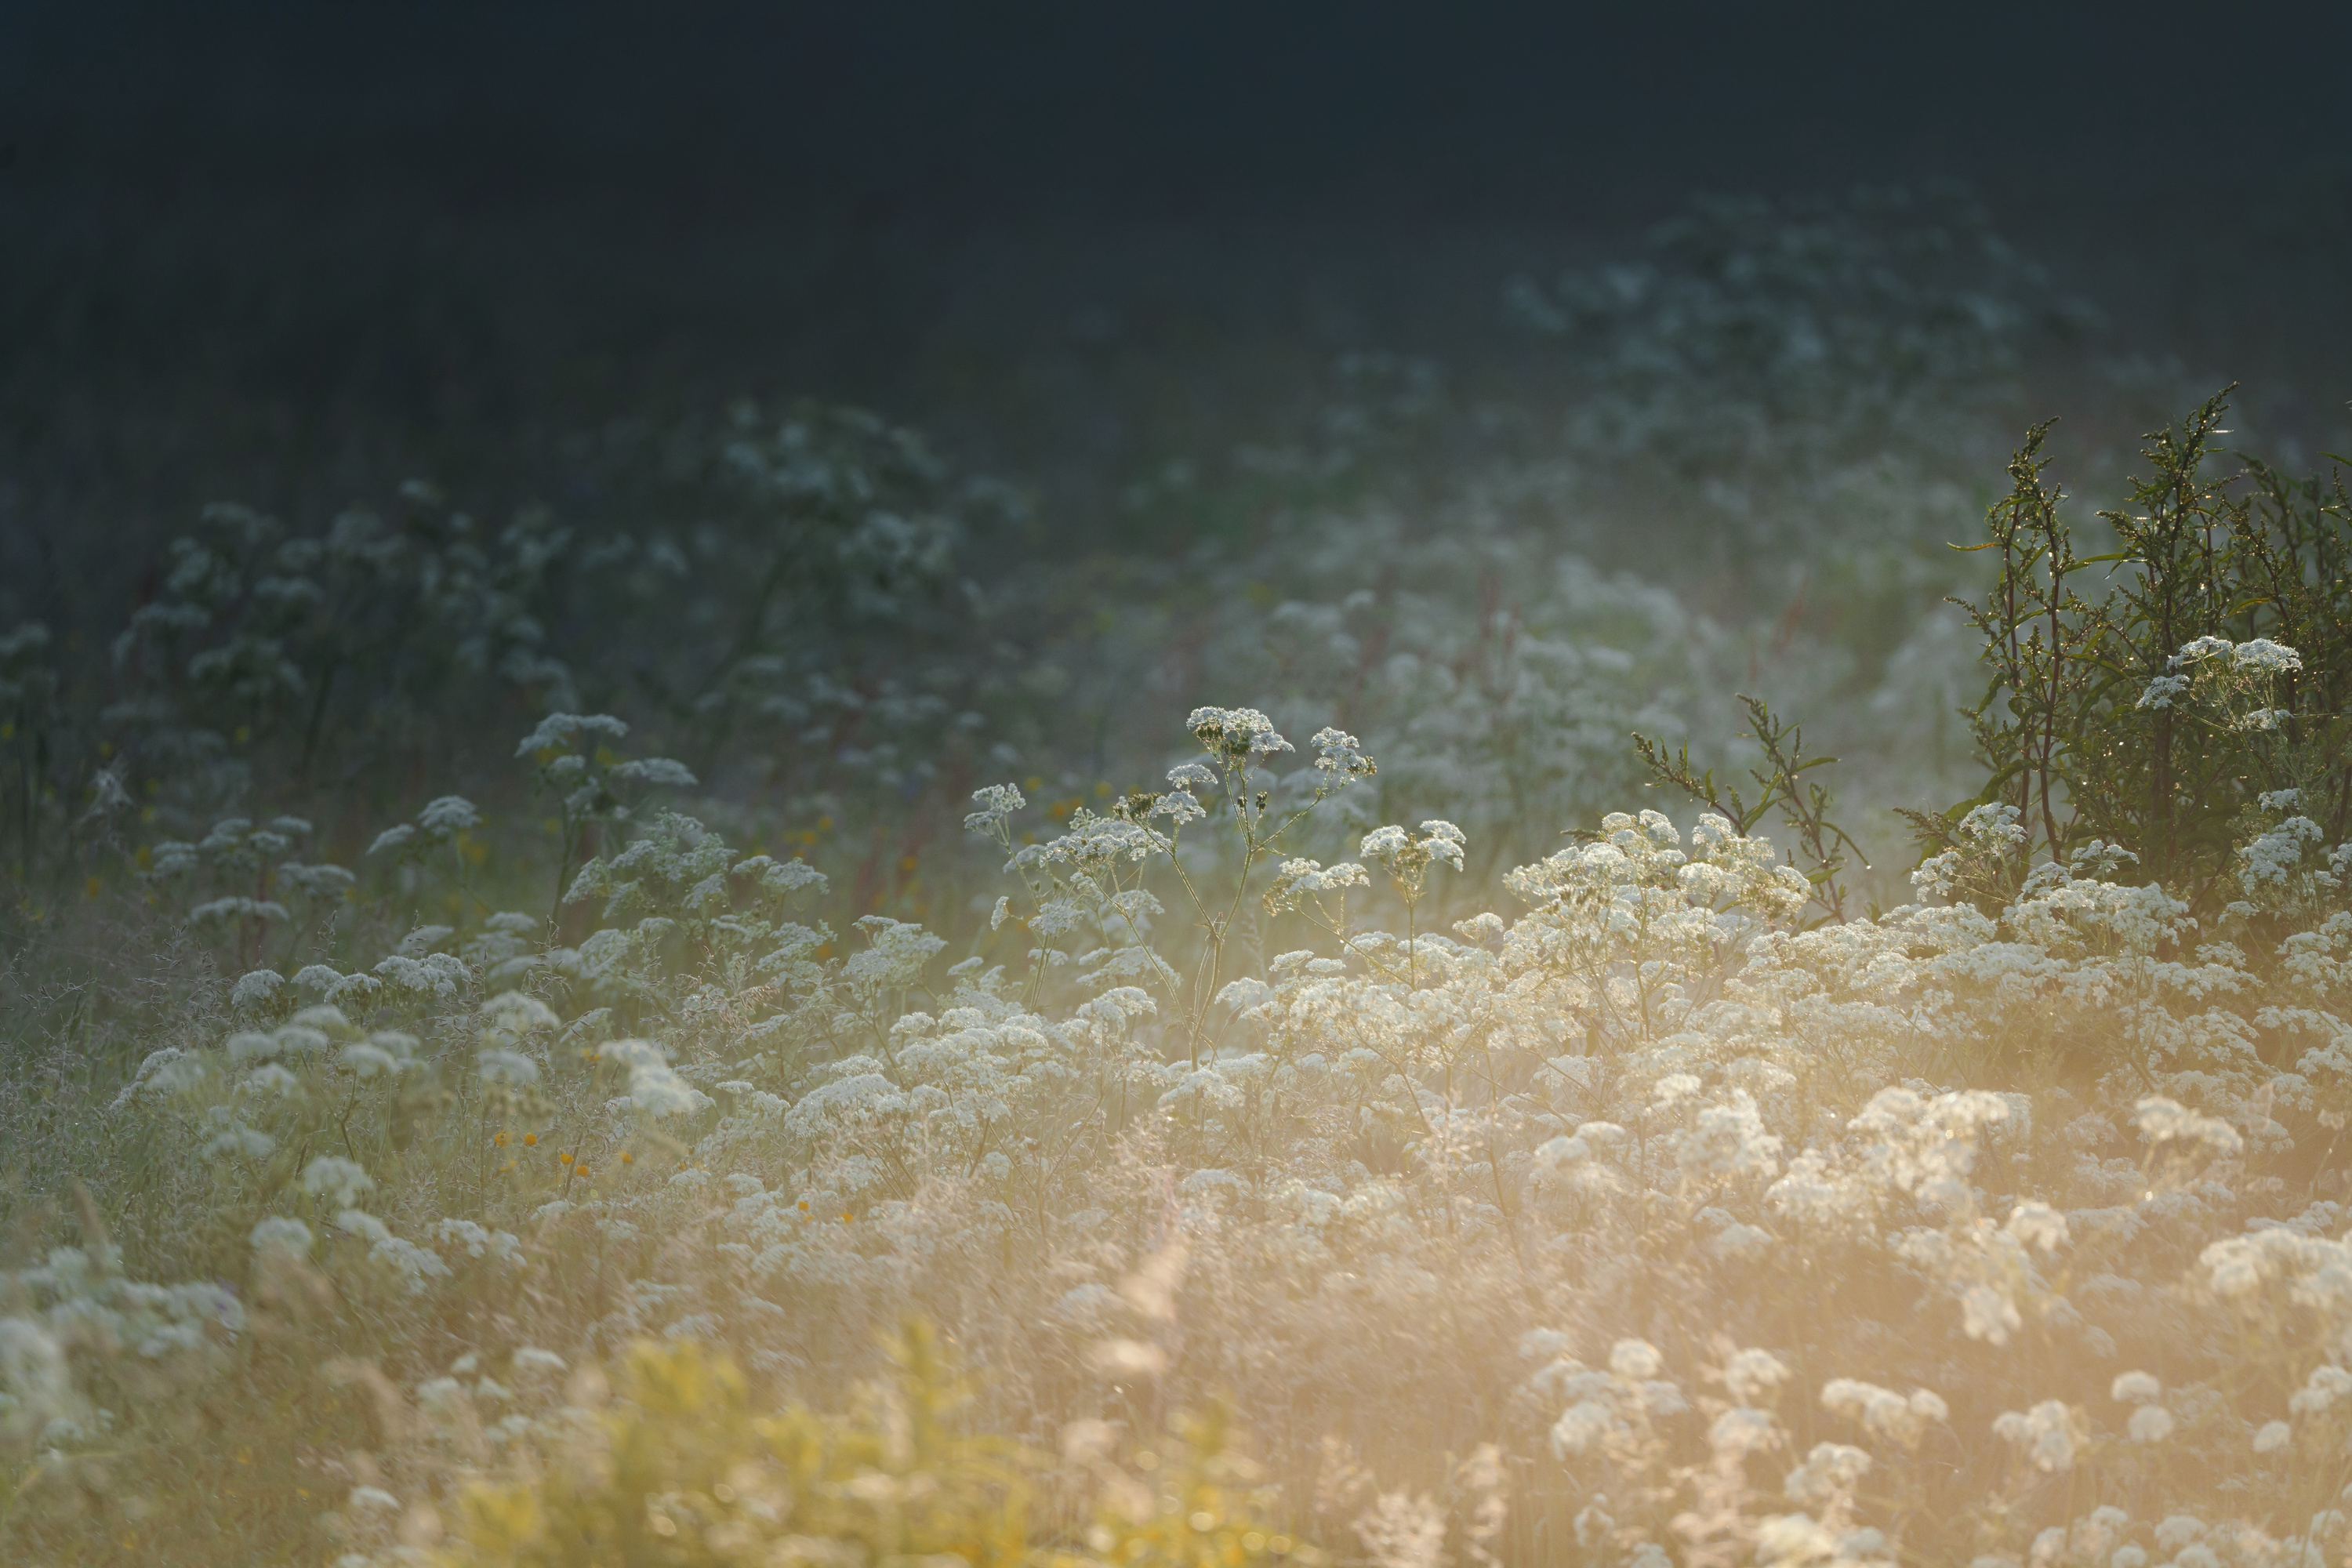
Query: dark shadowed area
[295, 253]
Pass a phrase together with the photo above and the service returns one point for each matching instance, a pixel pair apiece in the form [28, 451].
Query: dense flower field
[1325, 1130]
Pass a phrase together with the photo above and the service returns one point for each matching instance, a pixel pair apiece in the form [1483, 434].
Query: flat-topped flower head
[2201, 651]
[996, 803]
[1238, 734]
[1340, 757]
[1407, 855]
[2271, 657]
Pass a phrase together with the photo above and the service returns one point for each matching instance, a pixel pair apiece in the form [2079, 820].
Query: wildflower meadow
[1448, 1026]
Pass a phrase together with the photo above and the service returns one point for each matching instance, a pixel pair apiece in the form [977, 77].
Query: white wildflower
[334, 1177]
[2037, 1224]
[1753, 1374]
[996, 803]
[1637, 1361]
[256, 990]
[2048, 1434]
[2270, 658]
[282, 1235]
[2201, 651]
[507, 1069]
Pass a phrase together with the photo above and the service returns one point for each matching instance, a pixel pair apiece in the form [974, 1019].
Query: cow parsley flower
[1299, 876]
[256, 990]
[1831, 1472]
[1238, 734]
[1340, 759]
[282, 1235]
[996, 803]
[2269, 657]
[2049, 1435]
[1753, 1374]
[449, 816]
[2327, 1385]
[2201, 651]
[1637, 1361]
[558, 732]
[2038, 1225]
[1409, 855]
[333, 1177]
[507, 1069]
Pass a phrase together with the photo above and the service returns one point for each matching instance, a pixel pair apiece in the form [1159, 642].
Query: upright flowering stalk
[1407, 857]
[1095, 869]
[582, 773]
[1240, 743]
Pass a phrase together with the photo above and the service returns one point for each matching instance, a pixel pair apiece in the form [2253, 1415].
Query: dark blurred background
[295, 253]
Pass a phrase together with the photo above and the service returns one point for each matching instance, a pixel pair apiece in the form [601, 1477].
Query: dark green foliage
[1804, 804]
[2105, 718]
[797, 591]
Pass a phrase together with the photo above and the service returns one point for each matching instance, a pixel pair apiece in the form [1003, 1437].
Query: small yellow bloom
[529, 1139]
